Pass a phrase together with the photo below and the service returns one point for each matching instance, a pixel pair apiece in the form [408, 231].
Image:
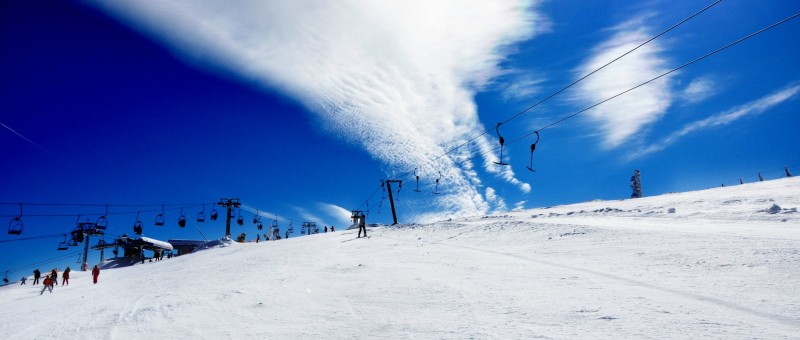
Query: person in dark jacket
[362, 225]
[95, 273]
[36, 275]
[54, 276]
[65, 277]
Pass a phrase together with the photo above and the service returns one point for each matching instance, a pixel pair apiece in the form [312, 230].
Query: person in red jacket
[95, 273]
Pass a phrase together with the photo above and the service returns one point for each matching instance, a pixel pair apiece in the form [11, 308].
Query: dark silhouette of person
[362, 225]
[95, 273]
[65, 277]
[36, 275]
[54, 276]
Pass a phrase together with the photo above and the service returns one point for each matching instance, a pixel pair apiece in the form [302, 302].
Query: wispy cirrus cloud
[624, 116]
[752, 108]
[337, 215]
[699, 90]
[370, 70]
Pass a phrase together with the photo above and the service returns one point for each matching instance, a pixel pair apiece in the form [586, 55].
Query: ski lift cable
[106, 204]
[43, 262]
[32, 238]
[581, 79]
[679, 23]
[562, 119]
[94, 214]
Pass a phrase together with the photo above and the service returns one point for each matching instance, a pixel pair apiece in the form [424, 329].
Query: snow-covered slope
[724, 264]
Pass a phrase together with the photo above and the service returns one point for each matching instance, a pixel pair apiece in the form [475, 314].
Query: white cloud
[395, 77]
[698, 90]
[340, 216]
[624, 116]
[307, 216]
[521, 87]
[498, 202]
[752, 108]
[519, 206]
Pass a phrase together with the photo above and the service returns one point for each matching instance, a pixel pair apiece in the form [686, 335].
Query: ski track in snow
[724, 264]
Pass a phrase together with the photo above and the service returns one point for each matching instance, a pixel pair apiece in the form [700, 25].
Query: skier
[24, 279]
[48, 283]
[326, 229]
[65, 277]
[36, 275]
[54, 276]
[332, 230]
[287, 234]
[258, 238]
[362, 225]
[95, 273]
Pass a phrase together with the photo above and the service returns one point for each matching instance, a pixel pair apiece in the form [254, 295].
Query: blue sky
[300, 108]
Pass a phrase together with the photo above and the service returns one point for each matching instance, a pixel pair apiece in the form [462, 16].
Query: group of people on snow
[51, 279]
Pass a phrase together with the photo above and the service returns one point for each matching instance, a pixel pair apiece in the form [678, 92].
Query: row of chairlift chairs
[16, 226]
[160, 220]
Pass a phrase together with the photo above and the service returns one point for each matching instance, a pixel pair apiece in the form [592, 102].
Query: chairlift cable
[580, 79]
[42, 262]
[642, 84]
[95, 214]
[32, 238]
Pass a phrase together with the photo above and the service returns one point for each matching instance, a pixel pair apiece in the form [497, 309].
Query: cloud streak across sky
[397, 78]
[752, 108]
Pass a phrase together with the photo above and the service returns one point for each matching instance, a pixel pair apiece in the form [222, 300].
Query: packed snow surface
[718, 263]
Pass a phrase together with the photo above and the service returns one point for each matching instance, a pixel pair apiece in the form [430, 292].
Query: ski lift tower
[391, 199]
[636, 185]
[309, 226]
[228, 203]
[82, 232]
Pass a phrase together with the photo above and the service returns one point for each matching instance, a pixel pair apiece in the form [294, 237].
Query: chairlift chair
[182, 220]
[15, 227]
[160, 218]
[240, 219]
[102, 221]
[63, 245]
[72, 243]
[213, 214]
[77, 235]
[137, 226]
[260, 226]
[201, 216]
